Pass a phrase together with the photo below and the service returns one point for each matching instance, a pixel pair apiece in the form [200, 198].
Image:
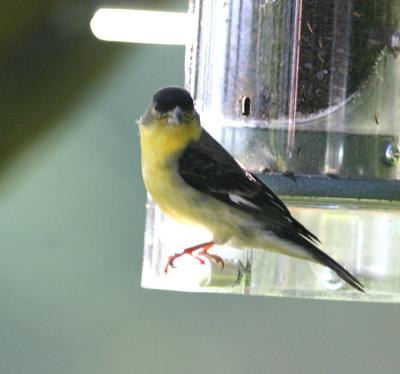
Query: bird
[194, 180]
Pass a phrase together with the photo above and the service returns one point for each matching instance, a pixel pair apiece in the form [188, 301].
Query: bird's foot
[215, 258]
[189, 251]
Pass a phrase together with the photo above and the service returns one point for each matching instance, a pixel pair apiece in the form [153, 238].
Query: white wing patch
[241, 201]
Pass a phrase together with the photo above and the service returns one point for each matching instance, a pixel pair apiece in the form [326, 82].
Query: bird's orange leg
[189, 251]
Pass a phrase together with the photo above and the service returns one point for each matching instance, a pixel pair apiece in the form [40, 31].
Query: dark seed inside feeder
[340, 43]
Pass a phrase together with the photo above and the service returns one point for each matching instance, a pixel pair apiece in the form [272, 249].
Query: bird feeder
[306, 94]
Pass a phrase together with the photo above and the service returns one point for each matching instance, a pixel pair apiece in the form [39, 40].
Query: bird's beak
[175, 116]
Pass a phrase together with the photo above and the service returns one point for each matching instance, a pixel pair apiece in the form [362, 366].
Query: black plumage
[168, 98]
[208, 167]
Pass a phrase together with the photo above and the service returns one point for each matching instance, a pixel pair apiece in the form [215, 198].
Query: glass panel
[306, 94]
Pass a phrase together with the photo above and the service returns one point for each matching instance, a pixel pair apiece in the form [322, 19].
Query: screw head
[392, 154]
[394, 42]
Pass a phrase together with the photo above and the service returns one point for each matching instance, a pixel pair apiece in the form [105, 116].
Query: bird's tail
[314, 253]
[328, 261]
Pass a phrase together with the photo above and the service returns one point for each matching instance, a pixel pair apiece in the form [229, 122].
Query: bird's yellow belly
[189, 206]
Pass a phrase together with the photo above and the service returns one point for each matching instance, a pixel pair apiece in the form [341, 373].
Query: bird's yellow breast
[159, 142]
[161, 145]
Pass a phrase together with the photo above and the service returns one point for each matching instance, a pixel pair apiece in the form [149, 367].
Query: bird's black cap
[168, 98]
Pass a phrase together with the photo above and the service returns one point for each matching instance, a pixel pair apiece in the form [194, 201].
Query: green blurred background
[72, 219]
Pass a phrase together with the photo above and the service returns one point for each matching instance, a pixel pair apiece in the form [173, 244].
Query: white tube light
[142, 26]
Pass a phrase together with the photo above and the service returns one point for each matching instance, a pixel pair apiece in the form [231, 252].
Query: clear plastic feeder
[306, 93]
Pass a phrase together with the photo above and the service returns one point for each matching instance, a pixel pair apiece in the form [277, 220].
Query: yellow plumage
[159, 142]
[160, 145]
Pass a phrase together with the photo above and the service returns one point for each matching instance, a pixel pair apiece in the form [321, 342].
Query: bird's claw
[171, 259]
[170, 262]
[189, 251]
[215, 258]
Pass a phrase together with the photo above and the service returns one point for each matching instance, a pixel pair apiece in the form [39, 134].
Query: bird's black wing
[208, 167]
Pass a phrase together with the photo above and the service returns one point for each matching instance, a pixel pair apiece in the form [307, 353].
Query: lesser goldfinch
[192, 178]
